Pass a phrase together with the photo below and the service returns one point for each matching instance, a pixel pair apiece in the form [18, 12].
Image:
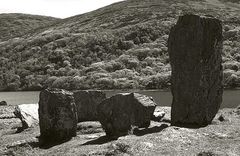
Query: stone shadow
[190, 126]
[136, 131]
[99, 141]
[46, 144]
[155, 129]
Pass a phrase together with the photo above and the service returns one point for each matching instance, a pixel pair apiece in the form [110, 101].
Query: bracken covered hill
[121, 46]
[15, 25]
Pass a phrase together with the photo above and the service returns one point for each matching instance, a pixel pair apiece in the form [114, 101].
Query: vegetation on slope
[16, 25]
[121, 46]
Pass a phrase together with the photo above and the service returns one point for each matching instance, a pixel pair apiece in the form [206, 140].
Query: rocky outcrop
[195, 47]
[28, 114]
[119, 113]
[57, 115]
[3, 103]
[86, 103]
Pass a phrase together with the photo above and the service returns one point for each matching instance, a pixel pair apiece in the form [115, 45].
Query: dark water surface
[231, 98]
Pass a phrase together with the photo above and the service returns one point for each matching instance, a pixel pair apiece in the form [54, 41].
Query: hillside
[15, 25]
[121, 46]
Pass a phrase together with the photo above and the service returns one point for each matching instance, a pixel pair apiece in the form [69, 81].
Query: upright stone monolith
[57, 115]
[195, 47]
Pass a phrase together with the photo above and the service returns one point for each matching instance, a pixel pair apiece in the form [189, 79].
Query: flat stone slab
[28, 114]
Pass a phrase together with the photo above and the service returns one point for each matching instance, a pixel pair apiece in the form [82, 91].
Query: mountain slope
[120, 46]
[14, 25]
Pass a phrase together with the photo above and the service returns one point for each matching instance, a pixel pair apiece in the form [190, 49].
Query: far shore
[162, 97]
[124, 90]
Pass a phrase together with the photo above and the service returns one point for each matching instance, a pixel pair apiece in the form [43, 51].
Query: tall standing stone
[57, 115]
[195, 47]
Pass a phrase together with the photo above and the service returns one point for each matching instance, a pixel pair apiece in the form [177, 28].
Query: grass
[219, 138]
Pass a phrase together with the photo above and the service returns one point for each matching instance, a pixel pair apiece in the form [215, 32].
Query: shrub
[231, 79]
[105, 83]
[62, 82]
[158, 81]
[148, 71]
[124, 83]
[233, 65]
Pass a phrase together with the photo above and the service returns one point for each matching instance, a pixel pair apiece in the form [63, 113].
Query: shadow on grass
[43, 144]
[99, 141]
[137, 132]
[190, 126]
[155, 129]
[19, 130]
[166, 120]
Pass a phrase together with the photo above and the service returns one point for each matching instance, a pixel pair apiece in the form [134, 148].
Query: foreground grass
[219, 138]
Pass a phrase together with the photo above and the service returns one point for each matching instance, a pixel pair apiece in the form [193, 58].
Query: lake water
[231, 98]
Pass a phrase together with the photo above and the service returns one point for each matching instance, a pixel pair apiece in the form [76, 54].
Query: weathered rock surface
[86, 103]
[158, 115]
[195, 47]
[57, 115]
[119, 113]
[28, 114]
[3, 103]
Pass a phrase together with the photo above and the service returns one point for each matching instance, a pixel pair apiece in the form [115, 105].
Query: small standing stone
[57, 115]
[86, 103]
[195, 47]
[122, 112]
[3, 103]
